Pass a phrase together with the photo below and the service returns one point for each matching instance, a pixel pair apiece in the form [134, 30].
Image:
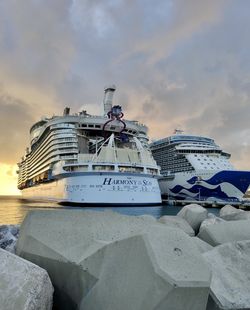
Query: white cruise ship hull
[98, 188]
[227, 185]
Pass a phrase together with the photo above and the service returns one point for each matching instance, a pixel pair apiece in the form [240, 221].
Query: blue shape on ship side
[193, 180]
[203, 193]
[239, 179]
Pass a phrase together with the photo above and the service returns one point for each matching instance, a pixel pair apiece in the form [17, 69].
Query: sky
[176, 63]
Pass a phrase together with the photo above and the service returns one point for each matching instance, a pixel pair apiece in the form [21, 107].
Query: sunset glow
[176, 64]
[8, 180]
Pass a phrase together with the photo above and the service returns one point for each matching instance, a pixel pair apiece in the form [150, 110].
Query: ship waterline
[101, 188]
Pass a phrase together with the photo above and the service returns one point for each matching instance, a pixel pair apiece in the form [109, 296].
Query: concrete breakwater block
[194, 214]
[105, 260]
[8, 237]
[23, 285]
[230, 265]
[226, 232]
[202, 245]
[177, 222]
[148, 217]
[230, 213]
[211, 220]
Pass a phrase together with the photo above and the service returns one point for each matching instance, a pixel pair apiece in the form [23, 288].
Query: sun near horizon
[8, 180]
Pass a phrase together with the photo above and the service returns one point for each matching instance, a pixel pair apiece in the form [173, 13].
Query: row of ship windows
[24, 174]
[53, 135]
[171, 153]
[207, 156]
[180, 170]
[50, 150]
[57, 132]
[109, 168]
[176, 168]
[211, 160]
[53, 156]
[174, 163]
[173, 150]
[43, 133]
[207, 163]
[95, 126]
[106, 168]
[200, 151]
[84, 126]
[51, 140]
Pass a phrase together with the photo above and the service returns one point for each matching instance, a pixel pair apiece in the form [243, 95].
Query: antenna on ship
[66, 111]
[178, 131]
[108, 98]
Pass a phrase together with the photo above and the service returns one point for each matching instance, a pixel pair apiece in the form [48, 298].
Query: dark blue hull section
[227, 185]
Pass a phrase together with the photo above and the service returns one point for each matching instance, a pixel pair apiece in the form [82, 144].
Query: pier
[244, 204]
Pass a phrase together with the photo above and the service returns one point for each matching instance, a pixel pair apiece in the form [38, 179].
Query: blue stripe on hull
[239, 179]
[203, 193]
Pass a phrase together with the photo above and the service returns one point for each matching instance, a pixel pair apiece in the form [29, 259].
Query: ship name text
[111, 181]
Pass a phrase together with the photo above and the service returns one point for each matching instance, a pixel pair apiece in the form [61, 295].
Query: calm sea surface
[13, 209]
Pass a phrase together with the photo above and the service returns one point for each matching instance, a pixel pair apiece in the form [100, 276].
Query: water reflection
[13, 209]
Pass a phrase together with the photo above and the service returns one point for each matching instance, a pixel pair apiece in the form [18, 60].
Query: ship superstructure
[196, 168]
[82, 158]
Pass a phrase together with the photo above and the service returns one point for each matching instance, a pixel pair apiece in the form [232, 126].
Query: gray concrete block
[177, 222]
[194, 214]
[226, 232]
[211, 220]
[23, 285]
[202, 245]
[230, 213]
[148, 217]
[230, 265]
[104, 260]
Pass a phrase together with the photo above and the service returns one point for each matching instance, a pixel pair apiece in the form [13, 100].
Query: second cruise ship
[196, 168]
[87, 159]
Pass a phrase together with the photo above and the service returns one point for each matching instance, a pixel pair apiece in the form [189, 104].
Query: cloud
[36, 49]
[188, 17]
[176, 64]
[15, 119]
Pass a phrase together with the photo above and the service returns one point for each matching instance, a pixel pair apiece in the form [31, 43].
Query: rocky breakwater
[228, 257]
[8, 237]
[23, 285]
[105, 260]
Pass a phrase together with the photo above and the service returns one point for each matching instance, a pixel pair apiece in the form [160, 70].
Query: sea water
[13, 209]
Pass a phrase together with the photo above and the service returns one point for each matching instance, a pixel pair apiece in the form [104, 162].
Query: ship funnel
[66, 111]
[108, 98]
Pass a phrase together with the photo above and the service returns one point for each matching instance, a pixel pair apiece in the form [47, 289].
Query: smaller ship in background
[195, 168]
[88, 159]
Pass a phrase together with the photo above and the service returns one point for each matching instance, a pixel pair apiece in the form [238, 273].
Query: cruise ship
[86, 159]
[195, 168]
